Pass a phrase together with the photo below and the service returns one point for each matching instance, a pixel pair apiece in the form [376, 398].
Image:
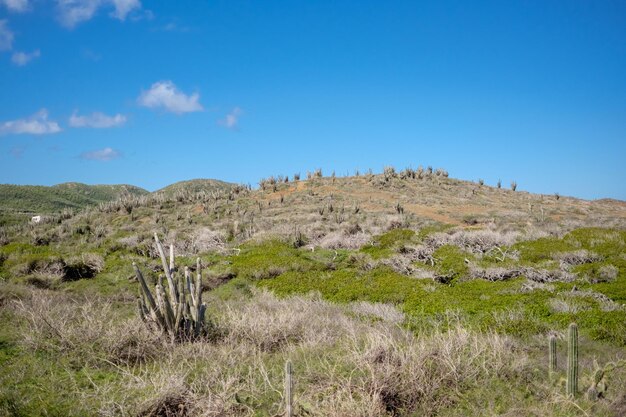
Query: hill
[195, 186]
[396, 294]
[20, 201]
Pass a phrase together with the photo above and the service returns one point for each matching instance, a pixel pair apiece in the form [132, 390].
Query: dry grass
[351, 360]
[344, 366]
[87, 328]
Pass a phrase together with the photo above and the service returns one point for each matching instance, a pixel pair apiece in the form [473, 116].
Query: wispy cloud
[231, 121]
[73, 12]
[145, 14]
[124, 7]
[91, 55]
[17, 151]
[17, 6]
[106, 154]
[97, 120]
[37, 124]
[6, 36]
[164, 94]
[174, 26]
[23, 58]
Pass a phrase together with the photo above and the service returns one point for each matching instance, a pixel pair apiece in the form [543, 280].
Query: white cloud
[174, 27]
[18, 6]
[106, 154]
[124, 7]
[232, 119]
[6, 36]
[73, 12]
[97, 120]
[23, 58]
[36, 124]
[164, 94]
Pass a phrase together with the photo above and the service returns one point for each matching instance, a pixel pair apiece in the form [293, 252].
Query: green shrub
[269, 259]
[384, 245]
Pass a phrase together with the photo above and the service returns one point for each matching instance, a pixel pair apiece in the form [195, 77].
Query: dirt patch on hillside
[429, 212]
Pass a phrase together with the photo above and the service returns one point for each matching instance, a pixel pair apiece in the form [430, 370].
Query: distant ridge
[17, 201]
[611, 201]
[196, 185]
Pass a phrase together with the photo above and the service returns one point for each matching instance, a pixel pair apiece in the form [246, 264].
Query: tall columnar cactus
[288, 387]
[179, 310]
[552, 355]
[572, 360]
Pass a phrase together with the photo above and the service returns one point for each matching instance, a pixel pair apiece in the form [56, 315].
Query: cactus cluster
[177, 311]
[598, 386]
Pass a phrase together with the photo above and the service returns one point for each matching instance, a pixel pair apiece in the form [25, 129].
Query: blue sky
[154, 92]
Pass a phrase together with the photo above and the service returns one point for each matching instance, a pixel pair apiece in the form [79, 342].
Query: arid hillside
[396, 294]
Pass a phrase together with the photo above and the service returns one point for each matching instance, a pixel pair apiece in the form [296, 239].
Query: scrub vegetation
[405, 293]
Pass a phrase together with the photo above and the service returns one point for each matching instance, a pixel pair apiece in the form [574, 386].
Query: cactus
[178, 312]
[599, 385]
[552, 355]
[288, 388]
[572, 360]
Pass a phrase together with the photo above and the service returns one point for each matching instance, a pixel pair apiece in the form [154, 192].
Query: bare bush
[579, 257]
[389, 172]
[532, 274]
[83, 328]
[567, 305]
[343, 240]
[4, 237]
[606, 273]
[477, 241]
[546, 275]
[440, 172]
[87, 265]
[207, 240]
[270, 324]
[384, 312]
[415, 375]
[530, 286]
[606, 304]
[419, 253]
[493, 273]
[52, 267]
[140, 244]
[425, 274]
[399, 263]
